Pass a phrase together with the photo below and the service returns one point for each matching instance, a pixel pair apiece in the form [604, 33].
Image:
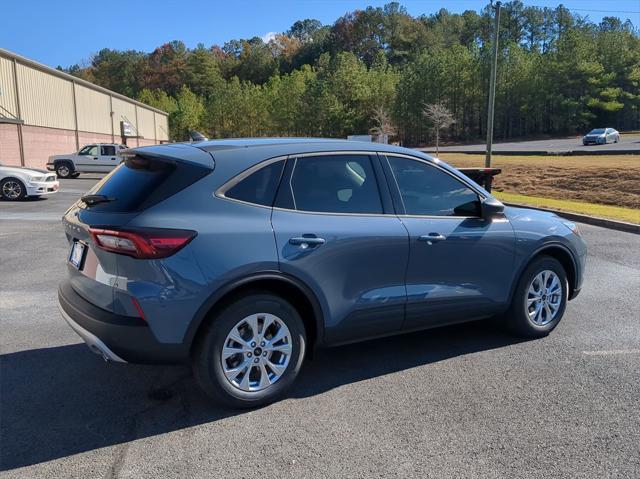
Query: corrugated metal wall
[94, 111]
[162, 127]
[123, 111]
[7, 89]
[145, 122]
[45, 100]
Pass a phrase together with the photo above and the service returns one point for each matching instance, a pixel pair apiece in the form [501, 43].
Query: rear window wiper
[90, 200]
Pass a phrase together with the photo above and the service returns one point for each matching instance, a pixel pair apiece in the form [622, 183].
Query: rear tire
[540, 298]
[12, 189]
[64, 169]
[240, 359]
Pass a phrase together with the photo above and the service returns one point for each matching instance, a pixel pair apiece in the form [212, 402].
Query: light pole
[492, 87]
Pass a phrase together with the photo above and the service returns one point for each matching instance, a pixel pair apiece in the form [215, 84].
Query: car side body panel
[537, 231]
[171, 291]
[357, 274]
[465, 276]
[362, 280]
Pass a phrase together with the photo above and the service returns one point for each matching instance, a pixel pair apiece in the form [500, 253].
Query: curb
[591, 220]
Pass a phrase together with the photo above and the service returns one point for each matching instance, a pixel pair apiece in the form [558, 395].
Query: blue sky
[68, 31]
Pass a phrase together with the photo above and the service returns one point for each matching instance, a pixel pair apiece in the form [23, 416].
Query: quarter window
[335, 184]
[428, 191]
[260, 186]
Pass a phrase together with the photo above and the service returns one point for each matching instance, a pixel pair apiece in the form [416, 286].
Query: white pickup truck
[95, 158]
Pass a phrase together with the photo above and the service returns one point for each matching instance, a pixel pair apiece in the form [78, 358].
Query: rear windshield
[139, 183]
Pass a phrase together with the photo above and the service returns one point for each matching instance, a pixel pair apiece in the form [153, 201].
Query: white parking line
[31, 216]
[69, 190]
[611, 352]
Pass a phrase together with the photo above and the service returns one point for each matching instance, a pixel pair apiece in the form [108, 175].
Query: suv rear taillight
[142, 243]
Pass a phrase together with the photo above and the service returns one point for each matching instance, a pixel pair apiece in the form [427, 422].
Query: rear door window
[108, 150]
[334, 184]
[259, 187]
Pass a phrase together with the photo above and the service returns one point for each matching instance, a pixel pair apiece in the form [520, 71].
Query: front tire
[64, 169]
[251, 352]
[12, 189]
[540, 298]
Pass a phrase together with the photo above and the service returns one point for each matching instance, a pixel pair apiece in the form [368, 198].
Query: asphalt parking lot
[463, 401]
[628, 143]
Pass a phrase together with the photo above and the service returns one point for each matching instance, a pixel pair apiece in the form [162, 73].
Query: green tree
[202, 71]
[117, 71]
[166, 68]
[558, 72]
[187, 115]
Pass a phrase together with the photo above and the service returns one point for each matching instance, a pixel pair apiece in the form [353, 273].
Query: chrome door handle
[306, 241]
[432, 238]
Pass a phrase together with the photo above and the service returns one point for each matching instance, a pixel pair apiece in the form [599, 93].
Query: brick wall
[9, 145]
[41, 142]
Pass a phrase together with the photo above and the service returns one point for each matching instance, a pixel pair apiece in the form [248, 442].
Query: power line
[587, 9]
[431, 1]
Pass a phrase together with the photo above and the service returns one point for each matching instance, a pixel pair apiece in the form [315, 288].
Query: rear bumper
[115, 337]
[95, 344]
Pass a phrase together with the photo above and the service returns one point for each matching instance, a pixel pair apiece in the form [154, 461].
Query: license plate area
[76, 257]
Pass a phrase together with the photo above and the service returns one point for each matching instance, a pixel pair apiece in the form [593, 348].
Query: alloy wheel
[544, 298]
[11, 190]
[63, 171]
[256, 352]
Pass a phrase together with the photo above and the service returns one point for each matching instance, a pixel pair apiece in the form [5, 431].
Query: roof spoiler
[180, 152]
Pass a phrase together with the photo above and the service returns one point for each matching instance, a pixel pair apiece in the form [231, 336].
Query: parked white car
[16, 183]
[94, 158]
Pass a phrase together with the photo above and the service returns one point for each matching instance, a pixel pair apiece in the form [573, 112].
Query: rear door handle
[432, 238]
[306, 241]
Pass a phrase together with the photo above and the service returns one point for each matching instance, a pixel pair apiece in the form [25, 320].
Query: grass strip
[629, 215]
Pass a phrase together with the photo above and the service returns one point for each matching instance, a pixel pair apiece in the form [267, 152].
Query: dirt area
[607, 179]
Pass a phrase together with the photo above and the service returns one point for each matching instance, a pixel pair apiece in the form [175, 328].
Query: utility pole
[492, 87]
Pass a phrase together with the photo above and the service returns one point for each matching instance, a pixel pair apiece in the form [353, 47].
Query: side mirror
[491, 208]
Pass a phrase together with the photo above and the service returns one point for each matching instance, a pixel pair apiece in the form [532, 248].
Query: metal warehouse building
[45, 112]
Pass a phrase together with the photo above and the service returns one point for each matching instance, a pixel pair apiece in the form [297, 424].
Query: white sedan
[16, 183]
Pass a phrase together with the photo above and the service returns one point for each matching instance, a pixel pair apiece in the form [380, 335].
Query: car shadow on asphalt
[61, 401]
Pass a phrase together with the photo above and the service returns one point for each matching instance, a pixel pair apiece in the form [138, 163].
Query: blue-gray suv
[242, 256]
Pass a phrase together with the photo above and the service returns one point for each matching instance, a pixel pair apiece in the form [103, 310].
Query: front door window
[89, 150]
